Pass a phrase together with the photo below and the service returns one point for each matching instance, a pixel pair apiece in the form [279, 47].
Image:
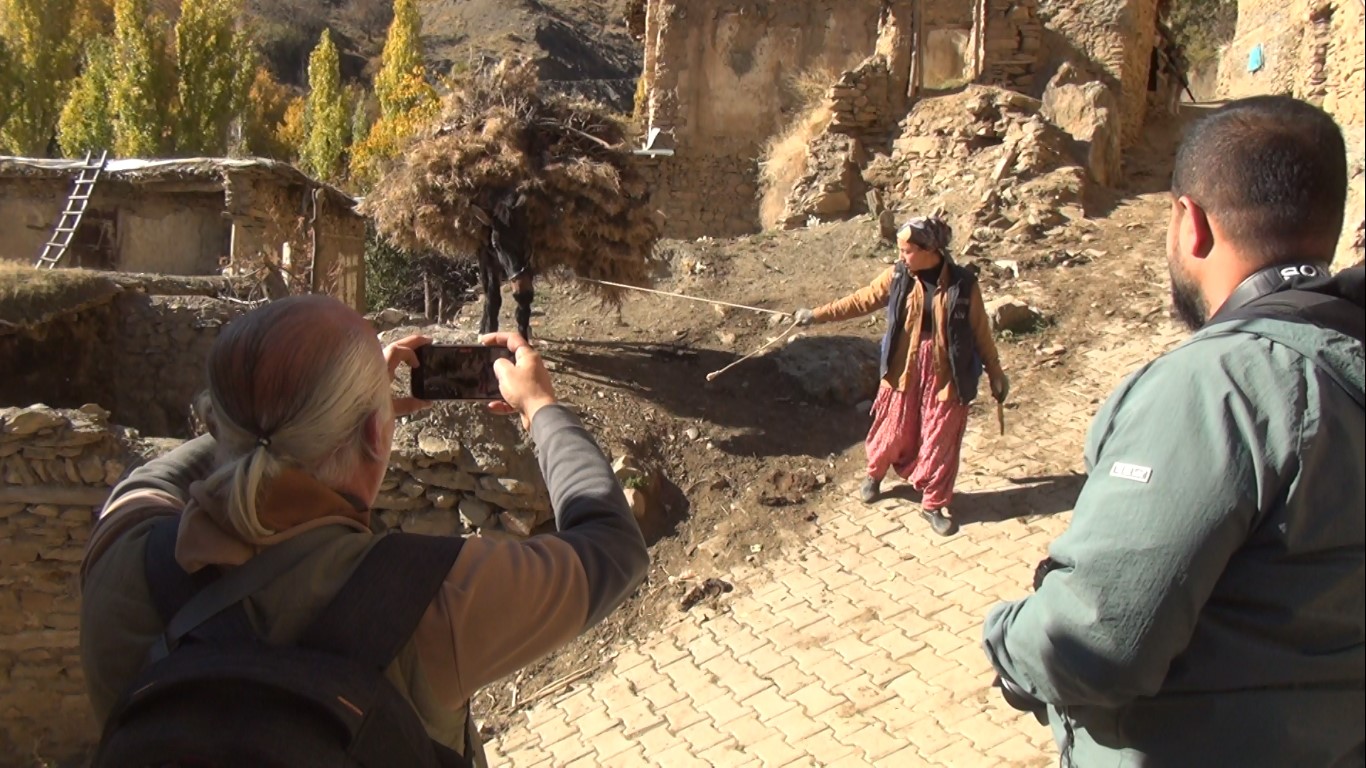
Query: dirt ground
[749, 461]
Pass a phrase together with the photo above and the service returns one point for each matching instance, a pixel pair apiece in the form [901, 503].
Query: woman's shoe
[870, 490]
[939, 522]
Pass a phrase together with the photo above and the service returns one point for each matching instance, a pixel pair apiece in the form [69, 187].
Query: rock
[692, 433]
[449, 478]
[726, 338]
[510, 486]
[1011, 314]
[442, 499]
[32, 420]
[411, 489]
[476, 513]
[1089, 114]
[437, 523]
[638, 501]
[832, 369]
[437, 447]
[518, 522]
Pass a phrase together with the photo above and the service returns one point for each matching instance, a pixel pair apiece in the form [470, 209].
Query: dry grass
[585, 207]
[31, 296]
[785, 160]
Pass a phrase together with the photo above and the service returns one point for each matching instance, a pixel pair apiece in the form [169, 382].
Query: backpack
[212, 693]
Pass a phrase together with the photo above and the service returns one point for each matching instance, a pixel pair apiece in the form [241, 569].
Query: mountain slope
[571, 40]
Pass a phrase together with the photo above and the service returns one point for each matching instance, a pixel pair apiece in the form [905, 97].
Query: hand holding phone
[457, 372]
[523, 381]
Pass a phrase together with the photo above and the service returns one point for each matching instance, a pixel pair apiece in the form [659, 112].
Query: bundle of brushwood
[510, 166]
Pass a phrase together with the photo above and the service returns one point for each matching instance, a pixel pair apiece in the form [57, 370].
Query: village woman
[938, 342]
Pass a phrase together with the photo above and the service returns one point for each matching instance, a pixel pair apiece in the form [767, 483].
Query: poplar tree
[139, 93]
[209, 60]
[401, 58]
[325, 115]
[85, 124]
[406, 100]
[39, 62]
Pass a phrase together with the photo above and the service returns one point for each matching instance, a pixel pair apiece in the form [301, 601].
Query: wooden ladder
[76, 203]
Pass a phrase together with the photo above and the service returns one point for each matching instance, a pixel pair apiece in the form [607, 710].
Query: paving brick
[816, 700]
[680, 715]
[789, 678]
[768, 704]
[702, 736]
[774, 751]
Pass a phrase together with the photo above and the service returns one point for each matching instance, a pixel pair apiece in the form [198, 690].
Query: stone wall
[55, 471]
[459, 468]
[157, 361]
[140, 355]
[1314, 50]
[1011, 45]
[704, 194]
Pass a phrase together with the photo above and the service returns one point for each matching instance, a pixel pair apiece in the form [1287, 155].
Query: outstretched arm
[866, 300]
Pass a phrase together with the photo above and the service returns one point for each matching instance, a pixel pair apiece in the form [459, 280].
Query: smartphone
[457, 372]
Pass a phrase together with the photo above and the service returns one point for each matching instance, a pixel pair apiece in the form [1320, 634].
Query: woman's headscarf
[929, 232]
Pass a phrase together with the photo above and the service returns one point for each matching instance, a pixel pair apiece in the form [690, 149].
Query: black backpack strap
[377, 611]
[214, 611]
[1322, 310]
[397, 580]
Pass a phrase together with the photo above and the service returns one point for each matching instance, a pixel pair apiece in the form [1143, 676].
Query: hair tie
[263, 442]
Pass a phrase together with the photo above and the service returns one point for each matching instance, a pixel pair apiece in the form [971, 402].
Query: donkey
[507, 257]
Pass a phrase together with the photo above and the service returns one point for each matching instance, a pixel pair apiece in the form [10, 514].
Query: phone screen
[457, 372]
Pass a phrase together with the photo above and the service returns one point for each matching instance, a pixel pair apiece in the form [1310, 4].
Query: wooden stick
[682, 296]
[712, 376]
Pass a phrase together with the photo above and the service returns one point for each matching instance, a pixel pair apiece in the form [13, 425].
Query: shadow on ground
[1040, 496]
[761, 410]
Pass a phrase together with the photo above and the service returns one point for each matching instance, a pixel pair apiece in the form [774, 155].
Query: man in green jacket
[1205, 607]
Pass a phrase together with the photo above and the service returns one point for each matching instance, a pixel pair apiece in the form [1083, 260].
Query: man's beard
[1188, 302]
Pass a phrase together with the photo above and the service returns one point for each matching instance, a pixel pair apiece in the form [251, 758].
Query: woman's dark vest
[965, 363]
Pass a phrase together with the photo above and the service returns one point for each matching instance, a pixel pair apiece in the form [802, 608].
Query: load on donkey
[527, 183]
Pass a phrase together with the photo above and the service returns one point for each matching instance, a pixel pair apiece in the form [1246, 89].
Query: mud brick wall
[56, 467]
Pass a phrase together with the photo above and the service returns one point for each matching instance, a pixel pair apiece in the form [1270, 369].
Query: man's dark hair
[1272, 171]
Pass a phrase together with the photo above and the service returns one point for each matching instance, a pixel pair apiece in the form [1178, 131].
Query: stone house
[196, 216]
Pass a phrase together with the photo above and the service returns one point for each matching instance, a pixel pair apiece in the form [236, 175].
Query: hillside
[572, 40]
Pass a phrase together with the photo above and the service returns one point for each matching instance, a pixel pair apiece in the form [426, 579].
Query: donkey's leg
[491, 280]
[523, 291]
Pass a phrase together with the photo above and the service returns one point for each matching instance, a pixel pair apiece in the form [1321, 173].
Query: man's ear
[1196, 236]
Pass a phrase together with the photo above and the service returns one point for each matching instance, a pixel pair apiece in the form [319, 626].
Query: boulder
[1089, 114]
[839, 370]
[1011, 314]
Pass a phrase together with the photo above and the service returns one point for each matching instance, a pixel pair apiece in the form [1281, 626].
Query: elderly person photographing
[233, 590]
[937, 343]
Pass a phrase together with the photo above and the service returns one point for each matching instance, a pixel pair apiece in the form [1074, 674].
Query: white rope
[712, 376]
[683, 296]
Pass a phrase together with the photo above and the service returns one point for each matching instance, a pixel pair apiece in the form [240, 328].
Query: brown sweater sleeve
[859, 303]
[982, 334]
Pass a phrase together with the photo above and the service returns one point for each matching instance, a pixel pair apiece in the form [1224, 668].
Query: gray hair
[291, 384]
